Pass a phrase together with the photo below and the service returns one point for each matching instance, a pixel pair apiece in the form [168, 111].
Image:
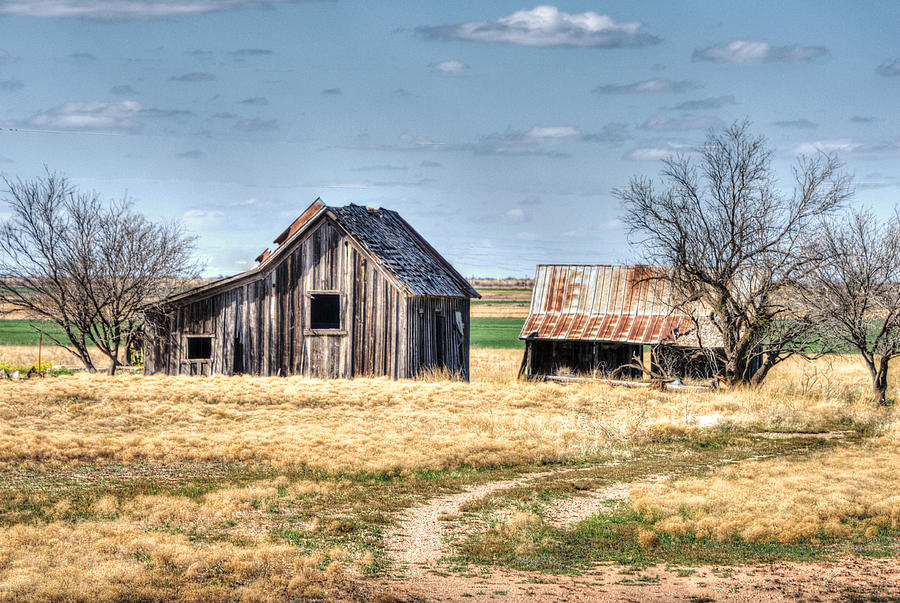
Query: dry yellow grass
[376, 424]
[28, 355]
[220, 544]
[124, 560]
[852, 489]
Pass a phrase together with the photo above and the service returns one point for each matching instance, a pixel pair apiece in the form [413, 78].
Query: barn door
[440, 341]
[238, 355]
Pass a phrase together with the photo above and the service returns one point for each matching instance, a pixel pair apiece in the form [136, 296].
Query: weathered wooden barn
[347, 291]
[597, 319]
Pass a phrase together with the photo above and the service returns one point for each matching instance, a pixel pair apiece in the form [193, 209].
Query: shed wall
[261, 326]
[266, 320]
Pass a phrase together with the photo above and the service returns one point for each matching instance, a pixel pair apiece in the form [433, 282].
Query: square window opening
[325, 311]
[199, 348]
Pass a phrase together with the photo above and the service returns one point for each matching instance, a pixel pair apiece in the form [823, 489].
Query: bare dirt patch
[847, 578]
[420, 537]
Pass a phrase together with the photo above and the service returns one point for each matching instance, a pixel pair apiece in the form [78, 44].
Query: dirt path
[421, 539]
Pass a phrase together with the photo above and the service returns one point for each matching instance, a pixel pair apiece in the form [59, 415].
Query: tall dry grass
[376, 424]
[26, 355]
[847, 490]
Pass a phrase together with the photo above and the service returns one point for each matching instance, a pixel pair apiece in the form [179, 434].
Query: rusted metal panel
[623, 304]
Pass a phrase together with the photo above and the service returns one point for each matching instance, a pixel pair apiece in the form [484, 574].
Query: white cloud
[89, 116]
[746, 51]
[651, 86]
[702, 104]
[548, 26]
[201, 218]
[553, 132]
[889, 69]
[125, 9]
[655, 152]
[801, 123]
[516, 215]
[672, 124]
[871, 150]
[536, 141]
[450, 66]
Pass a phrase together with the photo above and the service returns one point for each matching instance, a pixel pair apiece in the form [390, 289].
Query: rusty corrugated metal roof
[624, 304]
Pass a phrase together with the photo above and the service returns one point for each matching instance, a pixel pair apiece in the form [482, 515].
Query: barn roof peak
[390, 238]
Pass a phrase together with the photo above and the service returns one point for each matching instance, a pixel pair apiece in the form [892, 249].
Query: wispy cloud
[192, 154]
[126, 9]
[547, 26]
[450, 66]
[98, 116]
[862, 119]
[536, 141]
[122, 89]
[665, 123]
[89, 116]
[871, 150]
[430, 164]
[194, 76]
[402, 92]
[657, 151]
[380, 168]
[256, 101]
[516, 215]
[611, 132]
[202, 218]
[406, 143]
[252, 52]
[652, 86]
[11, 85]
[257, 125]
[331, 91]
[889, 69]
[703, 104]
[747, 51]
[802, 124]
[224, 115]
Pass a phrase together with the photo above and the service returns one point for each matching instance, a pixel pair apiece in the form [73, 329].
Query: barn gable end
[264, 321]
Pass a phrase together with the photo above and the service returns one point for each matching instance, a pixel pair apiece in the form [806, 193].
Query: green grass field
[486, 332]
[21, 332]
[497, 333]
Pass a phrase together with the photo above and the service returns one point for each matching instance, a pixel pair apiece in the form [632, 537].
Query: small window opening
[325, 311]
[199, 348]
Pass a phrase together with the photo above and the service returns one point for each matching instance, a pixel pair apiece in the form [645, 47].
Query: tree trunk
[880, 382]
[878, 370]
[759, 376]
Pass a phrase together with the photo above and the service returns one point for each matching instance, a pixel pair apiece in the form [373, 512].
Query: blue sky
[497, 129]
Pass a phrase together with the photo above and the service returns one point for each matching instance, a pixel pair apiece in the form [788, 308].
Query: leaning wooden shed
[347, 291]
[596, 319]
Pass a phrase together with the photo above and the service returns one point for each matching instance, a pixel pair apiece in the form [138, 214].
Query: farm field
[222, 488]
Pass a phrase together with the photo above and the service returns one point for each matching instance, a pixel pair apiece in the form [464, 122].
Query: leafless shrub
[89, 266]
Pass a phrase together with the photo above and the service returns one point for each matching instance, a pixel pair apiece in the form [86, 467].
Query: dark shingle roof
[397, 246]
[403, 251]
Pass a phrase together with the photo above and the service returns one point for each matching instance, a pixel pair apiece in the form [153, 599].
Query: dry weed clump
[376, 424]
[164, 547]
[115, 561]
[852, 489]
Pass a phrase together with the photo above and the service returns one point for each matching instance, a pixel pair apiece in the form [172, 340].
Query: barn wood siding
[433, 340]
[269, 317]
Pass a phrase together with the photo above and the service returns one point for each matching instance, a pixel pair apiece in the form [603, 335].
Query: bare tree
[90, 267]
[736, 245]
[857, 292]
